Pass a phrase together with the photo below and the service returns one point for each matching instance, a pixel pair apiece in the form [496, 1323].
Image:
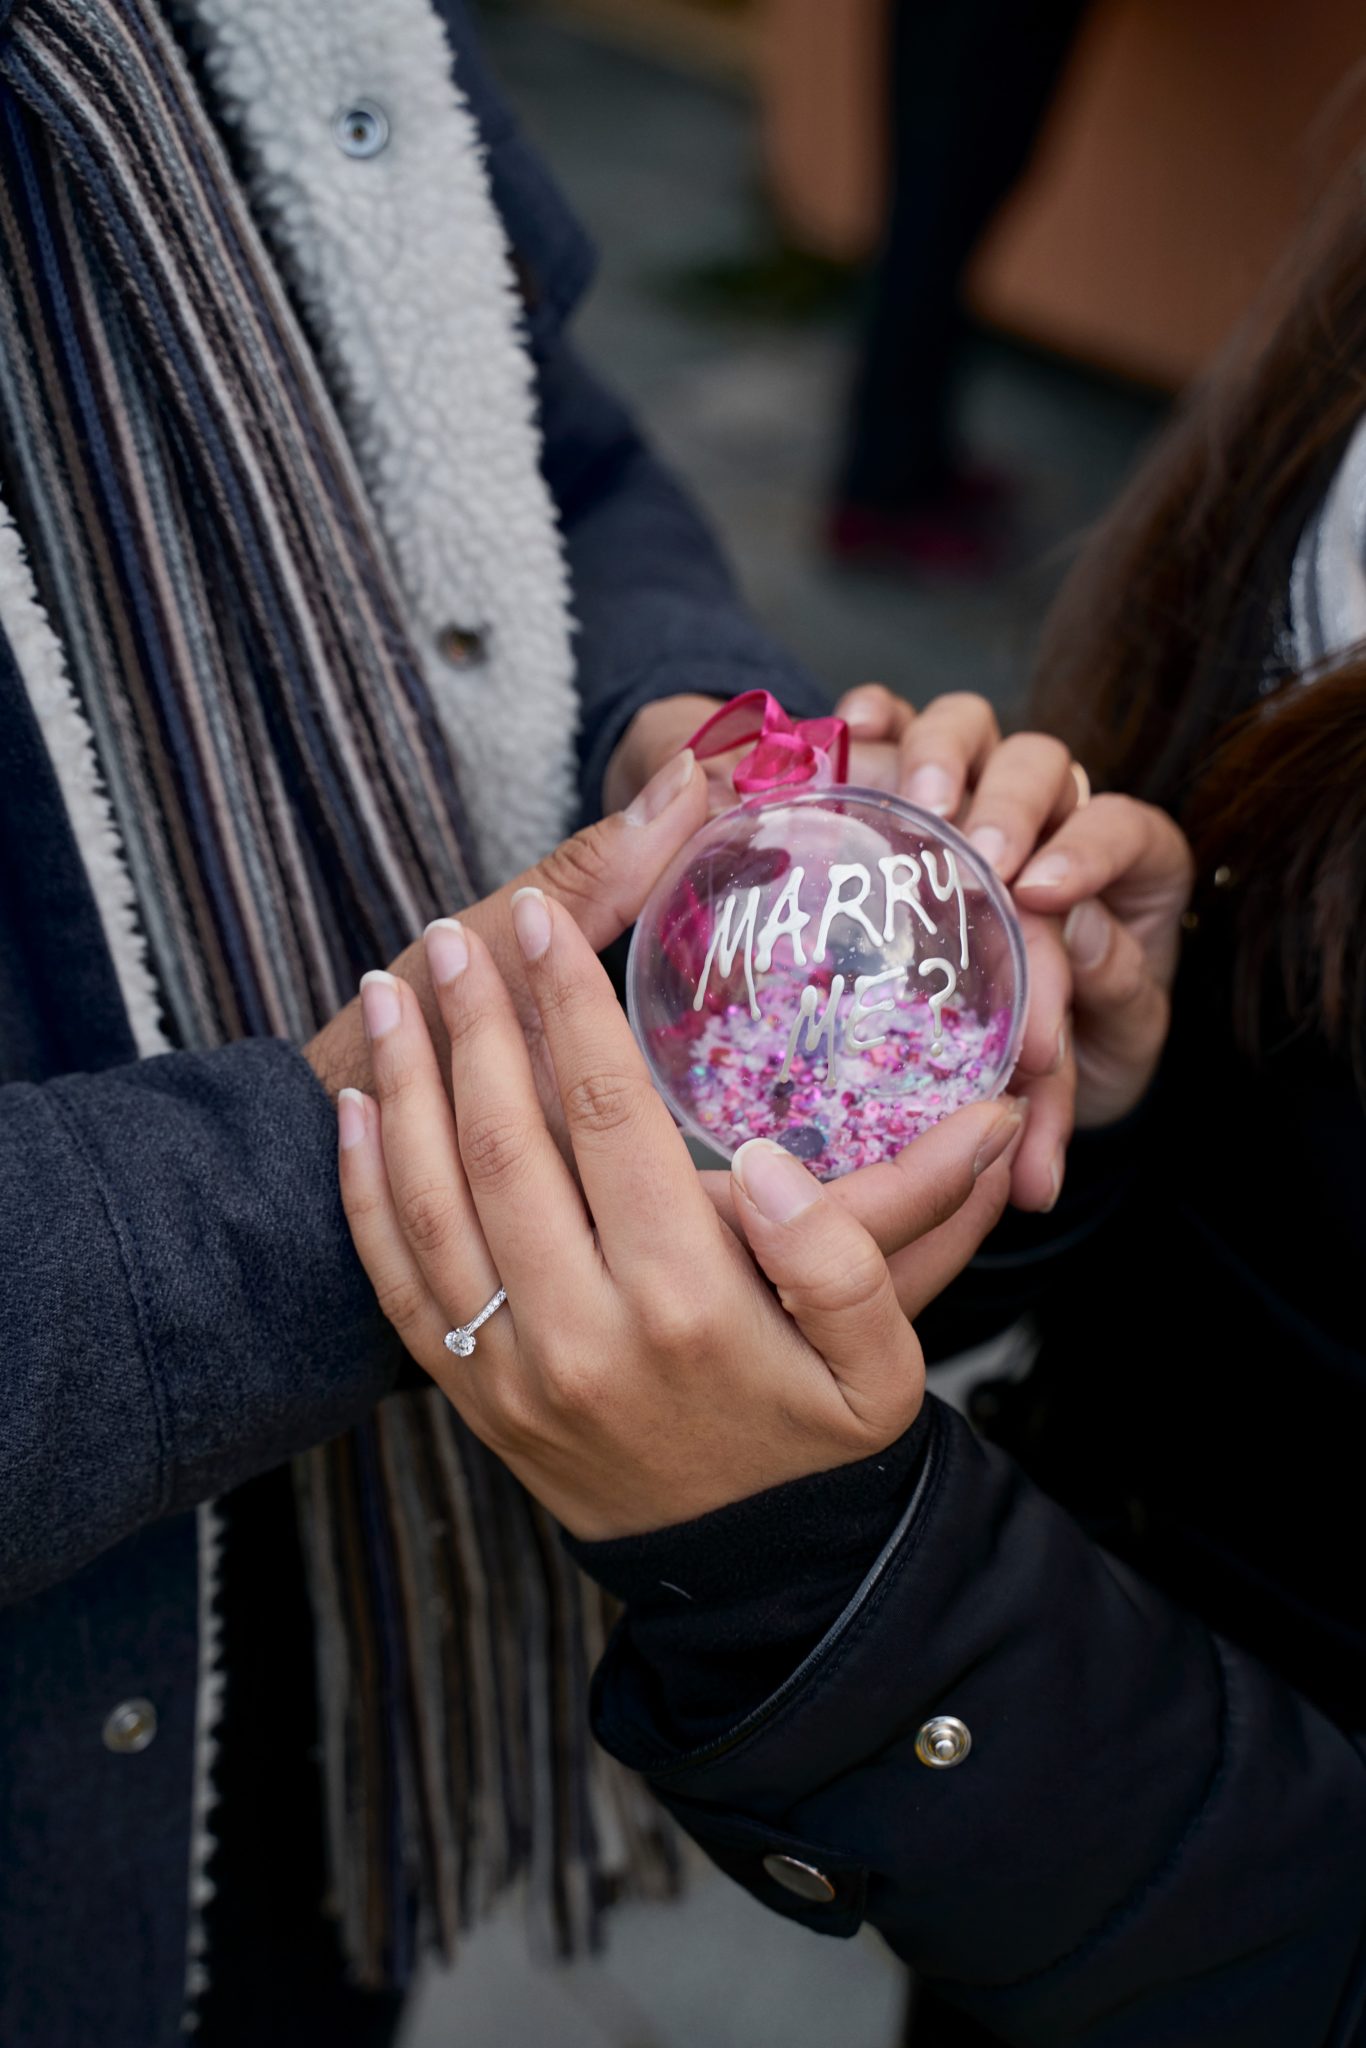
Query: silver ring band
[461, 1340]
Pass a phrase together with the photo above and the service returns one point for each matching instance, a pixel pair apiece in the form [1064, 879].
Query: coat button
[943, 1742]
[130, 1726]
[801, 1878]
[361, 129]
[461, 646]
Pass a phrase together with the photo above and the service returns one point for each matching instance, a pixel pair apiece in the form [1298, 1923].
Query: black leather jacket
[1158, 1834]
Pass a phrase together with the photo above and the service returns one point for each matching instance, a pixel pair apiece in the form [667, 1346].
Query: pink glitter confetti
[883, 1095]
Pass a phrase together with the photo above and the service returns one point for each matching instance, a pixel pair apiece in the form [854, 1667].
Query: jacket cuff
[1083, 1693]
[259, 1328]
[700, 673]
[720, 1610]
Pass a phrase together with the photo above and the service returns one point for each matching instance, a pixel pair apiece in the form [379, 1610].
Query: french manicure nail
[1054, 1181]
[932, 789]
[1045, 873]
[861, 711]
[1087, 933]
[990, 843]
[659, 792]
[531, 922]
[1064, 1047]
[350, 1118]
[1000, 1137]
[379, 1002]
[448, 954]
[778, 1185]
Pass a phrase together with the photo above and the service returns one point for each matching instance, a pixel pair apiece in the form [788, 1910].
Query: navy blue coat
[180, 1307]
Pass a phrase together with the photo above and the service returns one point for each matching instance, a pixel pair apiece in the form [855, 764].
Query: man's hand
[601, 876]
[654, 736]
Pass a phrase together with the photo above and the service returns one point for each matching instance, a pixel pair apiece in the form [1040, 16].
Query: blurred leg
[970, 85]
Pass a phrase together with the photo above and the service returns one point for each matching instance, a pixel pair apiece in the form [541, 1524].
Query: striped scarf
[291, 813]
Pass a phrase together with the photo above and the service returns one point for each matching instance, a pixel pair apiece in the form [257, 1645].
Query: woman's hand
[1100, 886]
[642, 1371]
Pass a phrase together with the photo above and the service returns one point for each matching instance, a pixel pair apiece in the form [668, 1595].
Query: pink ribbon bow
[784, 752]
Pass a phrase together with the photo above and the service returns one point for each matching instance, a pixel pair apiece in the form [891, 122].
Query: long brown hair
[1158, 643]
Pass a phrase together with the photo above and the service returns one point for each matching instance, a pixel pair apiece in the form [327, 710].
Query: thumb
[834, 1283]
[603, 874]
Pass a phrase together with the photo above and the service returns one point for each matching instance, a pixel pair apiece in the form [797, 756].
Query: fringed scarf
[290, 813]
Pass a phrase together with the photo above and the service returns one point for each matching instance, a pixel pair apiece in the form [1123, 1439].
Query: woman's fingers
[1132, 854]
[834, 1283]
[428, 1191]
[1043, 1046]
[527, 1205]
[637, 1177]
[1122, 1009]
[1025, 790]
[389, 1260]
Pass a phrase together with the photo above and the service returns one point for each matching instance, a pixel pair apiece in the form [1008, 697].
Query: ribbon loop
[784, 752]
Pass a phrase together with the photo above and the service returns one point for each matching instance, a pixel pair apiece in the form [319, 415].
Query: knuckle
[401, 1299]
[397, 1074]
[571, 1387]
[971, 708]
[602, 1104]
[495, 1148]
[670, 1320]
[846, 1281]
[578, 868]
[430, 1215]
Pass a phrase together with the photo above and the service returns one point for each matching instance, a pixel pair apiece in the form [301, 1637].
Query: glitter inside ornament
[830, 968]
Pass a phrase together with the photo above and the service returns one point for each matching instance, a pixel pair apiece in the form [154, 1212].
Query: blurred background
[901, 288]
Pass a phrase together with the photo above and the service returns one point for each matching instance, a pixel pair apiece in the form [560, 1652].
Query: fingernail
[1000, 1137]
[1086, 933]
[932, 789]
[1054, 1181]
[990, 843]
[531, 922]
[861, 711]
[447, 951]
[659, 792]
[379, 1002]
[1064, 1047]
[1045, 873]
[350, 1118]
[778, 1185]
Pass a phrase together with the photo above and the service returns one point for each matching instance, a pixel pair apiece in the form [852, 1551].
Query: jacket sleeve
[657, 609]
[180, 1305]
[1151, 1839]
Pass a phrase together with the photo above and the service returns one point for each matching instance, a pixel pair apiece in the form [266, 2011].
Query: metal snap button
[130, 1726]
[943, 1742]
[803, 1879]
[361, 129]
[461, 646]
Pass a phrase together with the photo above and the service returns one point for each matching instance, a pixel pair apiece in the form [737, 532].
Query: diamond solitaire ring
[461, 1341]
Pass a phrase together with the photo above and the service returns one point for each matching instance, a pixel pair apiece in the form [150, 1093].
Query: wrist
[656, 731]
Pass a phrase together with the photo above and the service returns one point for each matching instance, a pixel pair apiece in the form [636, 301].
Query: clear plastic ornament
[831, 968]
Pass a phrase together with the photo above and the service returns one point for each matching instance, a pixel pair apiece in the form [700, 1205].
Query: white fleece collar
[403, 270]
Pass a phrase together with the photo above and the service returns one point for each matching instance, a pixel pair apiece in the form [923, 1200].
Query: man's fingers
[603, 874]
[1025, 790]
[945, 750]
[834, 1283]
